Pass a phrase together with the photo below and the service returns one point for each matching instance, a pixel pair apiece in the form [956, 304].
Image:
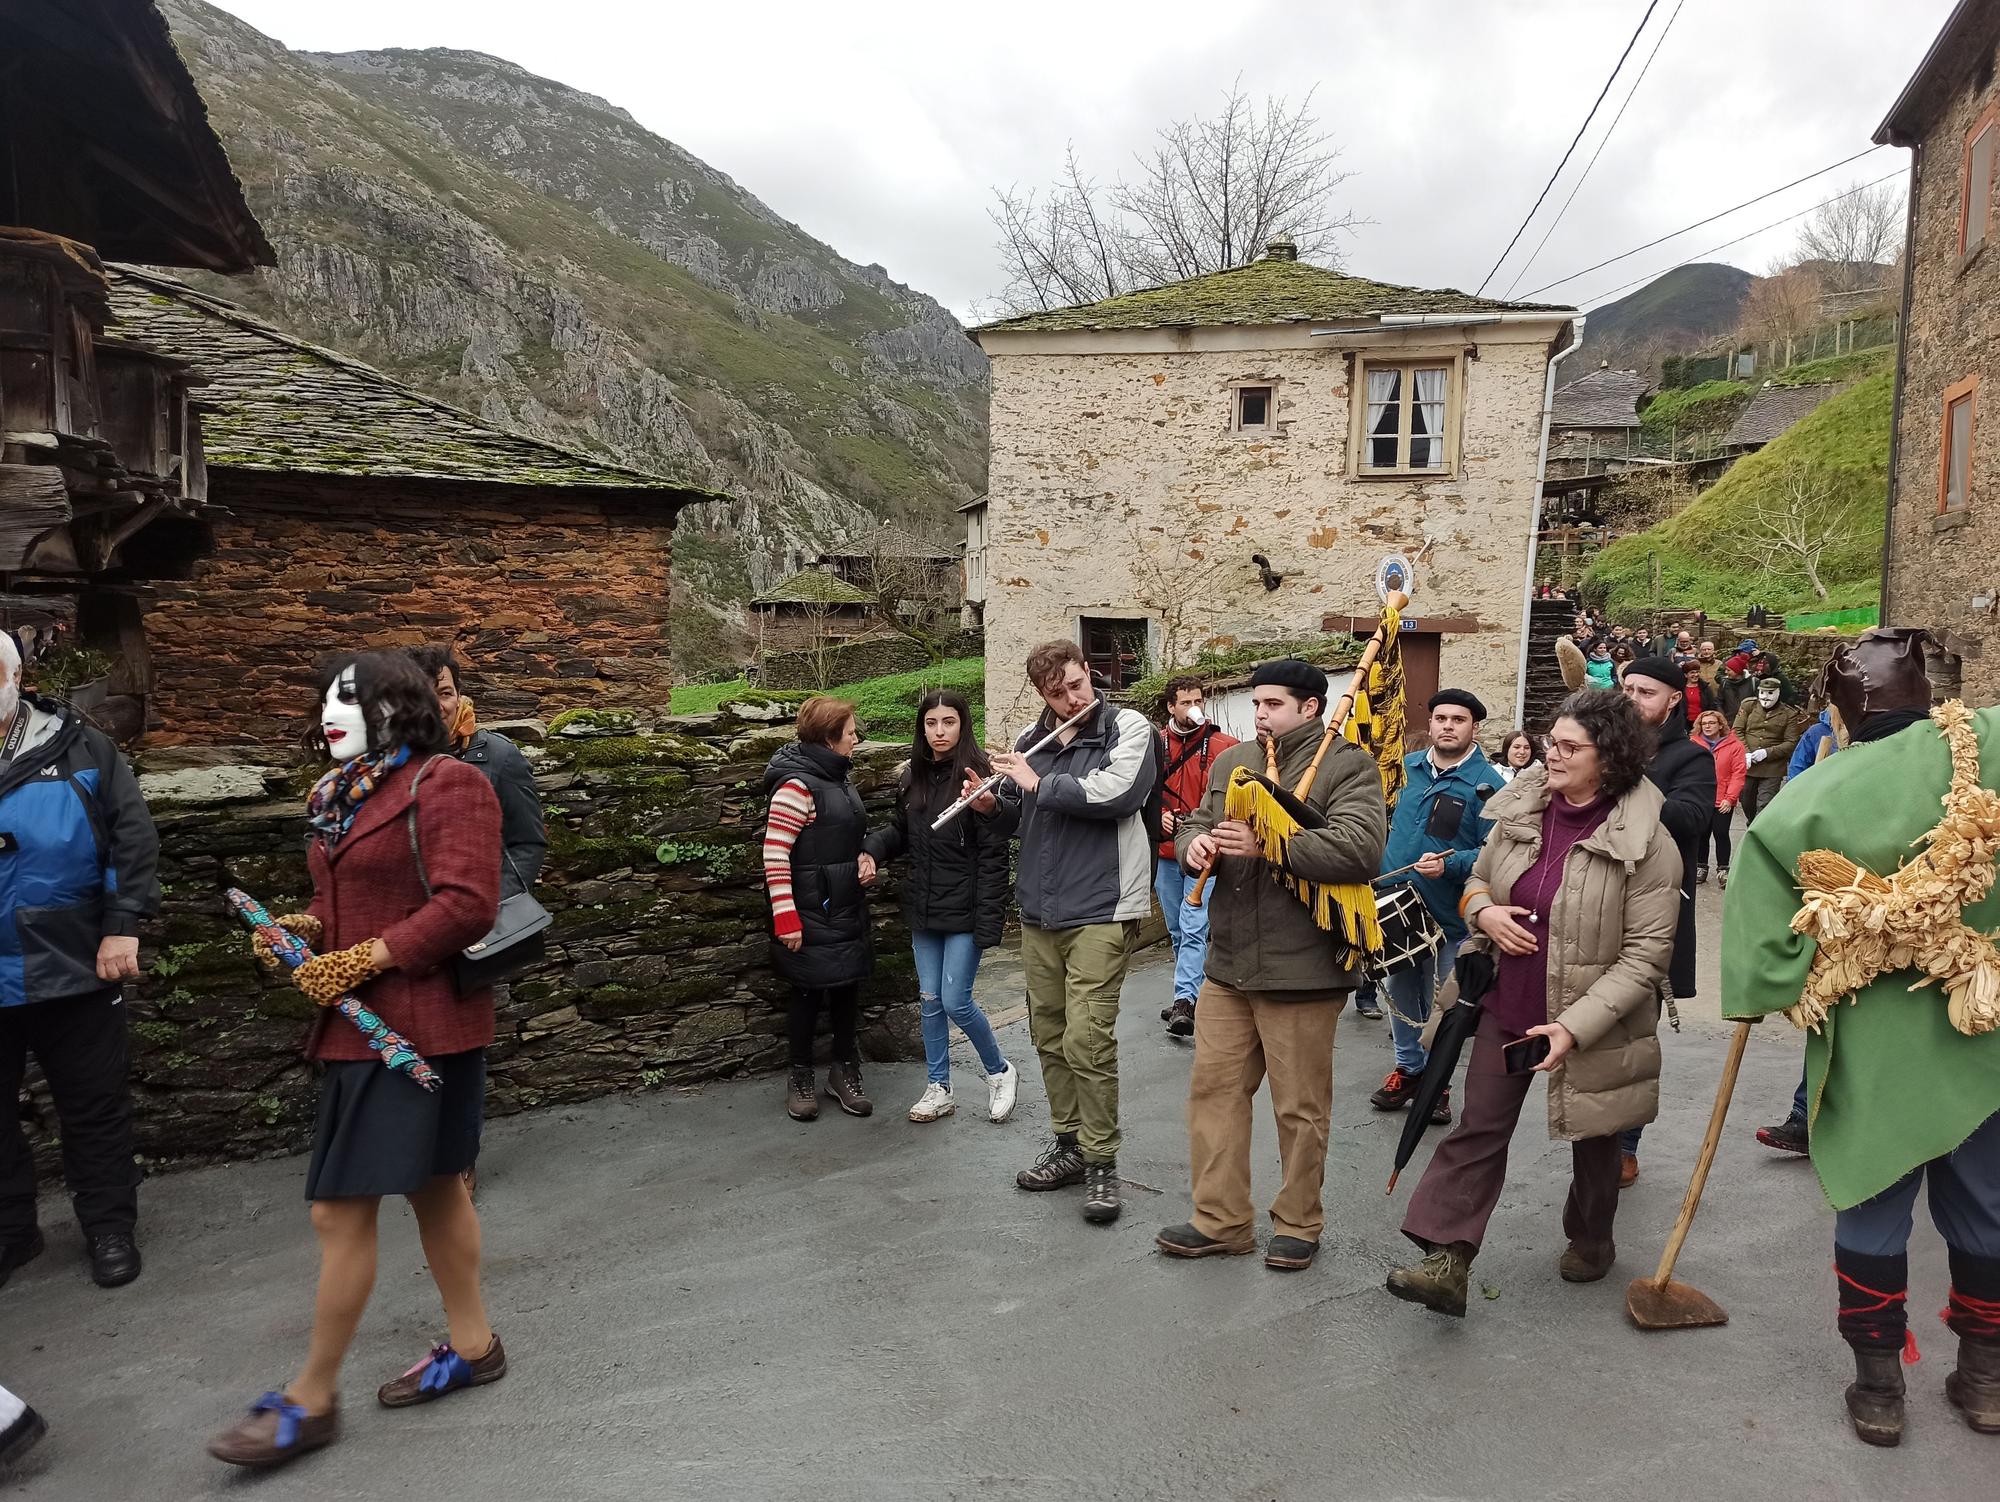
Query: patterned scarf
[337, 797]
[463, 727]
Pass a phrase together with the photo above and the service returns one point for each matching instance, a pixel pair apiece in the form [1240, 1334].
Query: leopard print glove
[328, 977]
[305, 925]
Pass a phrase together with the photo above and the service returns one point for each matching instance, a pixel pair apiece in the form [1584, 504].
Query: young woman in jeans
[954, 893]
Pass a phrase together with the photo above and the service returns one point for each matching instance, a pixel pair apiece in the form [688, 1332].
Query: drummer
[1436, 831]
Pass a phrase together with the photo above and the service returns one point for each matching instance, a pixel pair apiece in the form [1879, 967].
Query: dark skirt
[380, 1133]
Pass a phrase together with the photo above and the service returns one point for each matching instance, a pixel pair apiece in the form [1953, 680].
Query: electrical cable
[1650, 5]
[1675, 234]
[1528, 264]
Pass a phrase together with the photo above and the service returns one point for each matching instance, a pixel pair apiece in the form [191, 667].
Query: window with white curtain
[1976, 188]
[1955, 477]
[1405, 419]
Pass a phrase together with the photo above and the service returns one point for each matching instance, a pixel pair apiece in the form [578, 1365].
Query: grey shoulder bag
[517, 938]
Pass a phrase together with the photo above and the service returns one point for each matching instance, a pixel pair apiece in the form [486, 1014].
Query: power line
[1528, 264]
[1685, 228]
[1655, 275]
[1650, 5]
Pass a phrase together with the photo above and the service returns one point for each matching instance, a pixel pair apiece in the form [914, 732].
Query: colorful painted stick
[292, 952]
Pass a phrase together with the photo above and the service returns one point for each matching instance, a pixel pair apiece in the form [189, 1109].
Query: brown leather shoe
[843, 1083]
[275, 1432]
[443, 1371]
[1584, 1263]
[1628, 1170]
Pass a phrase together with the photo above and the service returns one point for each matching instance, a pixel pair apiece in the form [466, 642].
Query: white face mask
[341, 720]
[1768, 697]
[10, 696]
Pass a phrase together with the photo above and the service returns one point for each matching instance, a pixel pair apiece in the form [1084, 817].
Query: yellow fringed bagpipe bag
[1345, 908]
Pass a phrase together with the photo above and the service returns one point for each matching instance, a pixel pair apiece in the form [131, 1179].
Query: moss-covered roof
[276, 404]
[1263, 292]
[813, 586]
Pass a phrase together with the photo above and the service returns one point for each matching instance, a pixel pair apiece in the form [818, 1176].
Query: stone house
[812, 610]
[1596, 418]
[1943, 531]
[350, 510]
[972, 564]
[1772, 412]
[1235, 458]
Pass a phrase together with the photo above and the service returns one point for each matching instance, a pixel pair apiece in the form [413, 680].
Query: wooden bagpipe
[1276, 814]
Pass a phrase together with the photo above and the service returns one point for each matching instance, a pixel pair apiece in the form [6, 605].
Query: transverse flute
[999, 777]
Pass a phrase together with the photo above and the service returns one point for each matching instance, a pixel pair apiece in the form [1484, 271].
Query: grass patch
[1848, 367]
[1704, 556]
[706, 698]
[1711, 405]
[886, 706]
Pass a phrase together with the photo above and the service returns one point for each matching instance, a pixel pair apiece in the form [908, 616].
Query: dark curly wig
[397, 699]
[1625, 742]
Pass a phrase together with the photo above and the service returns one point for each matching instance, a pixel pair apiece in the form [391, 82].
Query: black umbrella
[1475, 978]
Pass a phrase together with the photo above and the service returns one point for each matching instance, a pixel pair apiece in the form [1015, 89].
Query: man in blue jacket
[78, 861]
[1438, 827]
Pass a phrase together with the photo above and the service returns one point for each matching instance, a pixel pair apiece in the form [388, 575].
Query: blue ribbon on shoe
[445, 1371]
[290, 1416]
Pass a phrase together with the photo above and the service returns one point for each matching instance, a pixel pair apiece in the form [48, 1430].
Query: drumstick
[1386, 875]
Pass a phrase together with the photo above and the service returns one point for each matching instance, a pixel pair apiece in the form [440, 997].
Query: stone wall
[1940, 565]
[657, 971]
[552, 600]
[1118, 488]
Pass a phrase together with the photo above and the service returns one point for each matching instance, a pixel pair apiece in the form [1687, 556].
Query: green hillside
[1671, 312]
[1708, 556]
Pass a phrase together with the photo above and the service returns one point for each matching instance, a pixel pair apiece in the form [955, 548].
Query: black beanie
[1660, 670]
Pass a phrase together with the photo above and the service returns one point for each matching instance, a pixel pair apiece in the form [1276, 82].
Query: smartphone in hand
[1523, 1054]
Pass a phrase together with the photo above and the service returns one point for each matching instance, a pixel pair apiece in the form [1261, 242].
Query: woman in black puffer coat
[954, 893]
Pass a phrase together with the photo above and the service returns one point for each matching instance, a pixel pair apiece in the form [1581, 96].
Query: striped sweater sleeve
[791, 812]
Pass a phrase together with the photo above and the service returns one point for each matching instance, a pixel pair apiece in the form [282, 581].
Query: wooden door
[1421, 654]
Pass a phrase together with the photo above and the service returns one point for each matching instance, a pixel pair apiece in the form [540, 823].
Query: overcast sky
[882, 128]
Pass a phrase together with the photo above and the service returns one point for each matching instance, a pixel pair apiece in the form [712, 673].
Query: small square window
[1253, 407]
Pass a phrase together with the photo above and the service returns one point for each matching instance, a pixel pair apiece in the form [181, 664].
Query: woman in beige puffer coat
[1576, 896]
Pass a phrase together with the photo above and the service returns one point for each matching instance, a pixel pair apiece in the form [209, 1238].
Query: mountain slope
[531, 252]
[1669, 315]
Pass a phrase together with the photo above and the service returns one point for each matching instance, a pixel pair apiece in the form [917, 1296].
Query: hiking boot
[1722, 877]
[1441, 1112]
[1628, 1170]
[114, 1259]
[19, 1253]
[1974, 1389]
[1290, 1254]
[1438, 1282]
[1057, 1168]
[21, 1436]
[1366, 1009]
[1180, 1023]
[1396, 1091]
[1100, 1193]
[1701, 876]
[443, 1371]
[843, 1083]
[936, 1101]
[802, 1096]
[1875, 1397]
[1788, 1136]
[1584, 1262]
[275, 1432]
[1001, 1089]
[1185, 1241]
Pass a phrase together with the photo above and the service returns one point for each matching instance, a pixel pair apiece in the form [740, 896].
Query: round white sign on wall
[1395, 574]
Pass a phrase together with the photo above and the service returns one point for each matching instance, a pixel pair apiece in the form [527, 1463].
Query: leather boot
[802, 1096]
[1439, 1281]
[843, 1083]
[1875, 1398]
[1974, 1389]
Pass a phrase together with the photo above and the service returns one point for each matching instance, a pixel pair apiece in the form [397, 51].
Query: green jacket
[1775, 731]
[1260, 936]
[1890, 1083]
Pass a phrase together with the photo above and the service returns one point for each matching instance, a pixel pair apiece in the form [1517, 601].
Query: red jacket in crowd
[369, 889]
[1731, 766]
[1184, 762]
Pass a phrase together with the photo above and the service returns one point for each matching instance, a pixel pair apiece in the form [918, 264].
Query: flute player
[1084, 883]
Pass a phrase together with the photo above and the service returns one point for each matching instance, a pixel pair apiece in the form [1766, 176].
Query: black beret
[1660, 669]
[1302, 678]
[1461, 698]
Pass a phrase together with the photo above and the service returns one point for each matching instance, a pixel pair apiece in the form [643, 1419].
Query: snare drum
[1410, 934]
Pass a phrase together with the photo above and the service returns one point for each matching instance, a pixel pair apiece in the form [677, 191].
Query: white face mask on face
[10, 696]
[341, 720]
[1768, 697]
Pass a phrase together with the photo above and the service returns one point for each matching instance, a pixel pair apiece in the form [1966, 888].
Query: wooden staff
[1369, 656]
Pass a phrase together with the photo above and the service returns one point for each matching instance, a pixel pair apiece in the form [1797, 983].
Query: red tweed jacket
[369, 889]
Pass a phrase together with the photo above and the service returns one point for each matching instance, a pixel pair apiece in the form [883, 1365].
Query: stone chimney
[1283, 248]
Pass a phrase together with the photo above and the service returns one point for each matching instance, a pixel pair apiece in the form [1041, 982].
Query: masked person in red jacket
[387, 929]
[1189, 745]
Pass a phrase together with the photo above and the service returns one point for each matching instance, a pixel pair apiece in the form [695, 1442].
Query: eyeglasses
[1564, 750]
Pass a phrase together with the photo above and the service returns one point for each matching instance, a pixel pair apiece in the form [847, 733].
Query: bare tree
[1210, 195]
[1782, 307]
[915, 596]
[1179, 585]
[1801, 515]
[1854, 236]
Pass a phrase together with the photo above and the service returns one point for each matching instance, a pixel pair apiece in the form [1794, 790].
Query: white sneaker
[936, 1101]
[1001, 1088]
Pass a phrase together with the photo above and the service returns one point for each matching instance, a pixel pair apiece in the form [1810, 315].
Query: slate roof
[276, 404]
[813, 586]
[1602, 399]
[1263, 292]
[1774, 409]
[885, 542]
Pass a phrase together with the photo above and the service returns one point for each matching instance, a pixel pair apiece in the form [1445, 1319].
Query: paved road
[704, 1300]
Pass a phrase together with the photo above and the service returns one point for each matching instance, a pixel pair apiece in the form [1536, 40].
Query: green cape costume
[1890, 1084]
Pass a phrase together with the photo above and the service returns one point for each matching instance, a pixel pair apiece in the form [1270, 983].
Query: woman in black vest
[814, 872]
